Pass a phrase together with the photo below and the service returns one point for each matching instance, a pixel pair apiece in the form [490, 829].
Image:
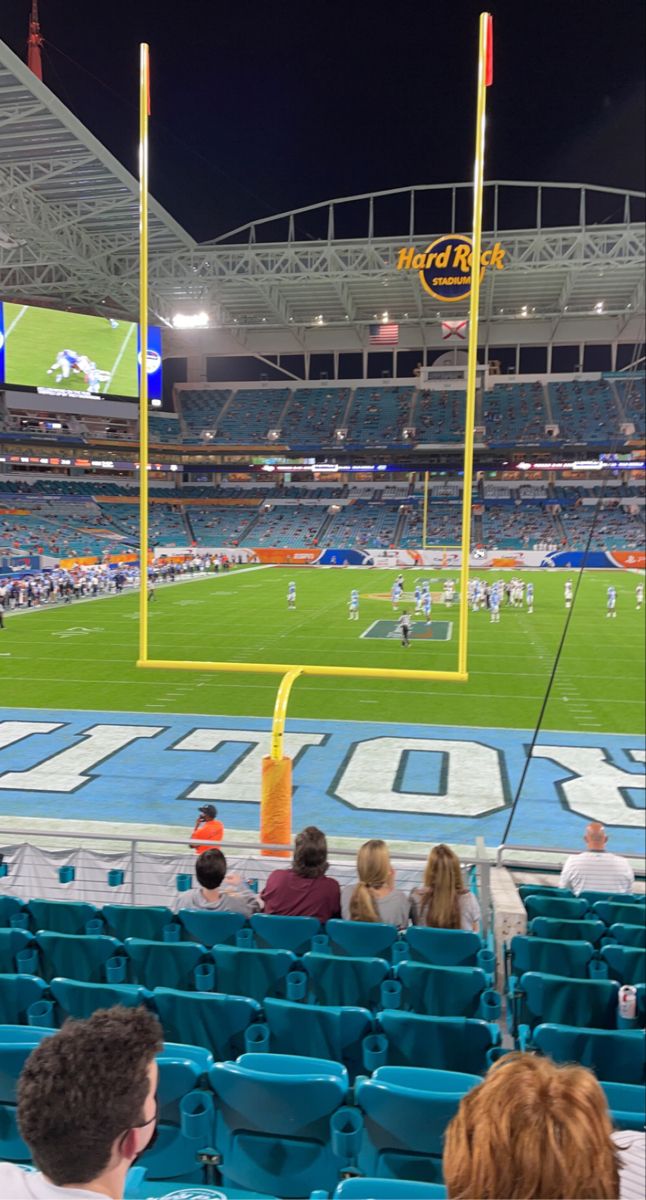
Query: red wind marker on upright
[489, 51]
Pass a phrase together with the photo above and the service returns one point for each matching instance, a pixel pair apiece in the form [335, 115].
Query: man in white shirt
[87, 1107]
[596, 870]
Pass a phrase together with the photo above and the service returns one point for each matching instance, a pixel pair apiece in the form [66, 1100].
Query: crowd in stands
[515, 411]
[555, 1113]
[277, 517]
[585, 411]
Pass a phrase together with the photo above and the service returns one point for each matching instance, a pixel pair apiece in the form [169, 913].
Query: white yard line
[119, 357]
[15, 321]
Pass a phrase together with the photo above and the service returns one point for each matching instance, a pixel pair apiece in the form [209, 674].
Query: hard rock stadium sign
[445, 266]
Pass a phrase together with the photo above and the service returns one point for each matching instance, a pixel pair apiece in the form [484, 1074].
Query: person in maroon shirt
[304, 889]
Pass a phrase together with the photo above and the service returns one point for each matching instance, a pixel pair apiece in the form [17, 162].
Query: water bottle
[628, 1002]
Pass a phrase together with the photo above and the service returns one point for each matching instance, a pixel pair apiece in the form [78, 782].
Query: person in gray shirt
[374, 897]
[217, 891]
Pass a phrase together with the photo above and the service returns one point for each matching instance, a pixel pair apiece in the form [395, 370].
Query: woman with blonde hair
[443, 901]
[534, 1130]
[374, 897]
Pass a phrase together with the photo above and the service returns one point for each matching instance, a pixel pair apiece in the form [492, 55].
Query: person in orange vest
[207, 829]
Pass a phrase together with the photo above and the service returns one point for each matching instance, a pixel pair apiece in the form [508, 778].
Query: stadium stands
[631, 392]
[200, 410]
[250, 415]
[514, 412]
[584, 412]
[314, 414]
[379, 415]
[439, 416]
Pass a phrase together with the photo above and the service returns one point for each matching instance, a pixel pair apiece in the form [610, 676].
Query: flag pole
[144, 109]
[485, 58]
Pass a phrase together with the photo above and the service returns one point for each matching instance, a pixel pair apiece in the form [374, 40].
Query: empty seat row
[587, 930]
[444, 947]
[623, 911]
[314, 978]
[538, 997]
[576, 958]
[225, 1023]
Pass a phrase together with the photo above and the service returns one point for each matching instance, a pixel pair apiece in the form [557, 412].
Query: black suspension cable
[555, 665]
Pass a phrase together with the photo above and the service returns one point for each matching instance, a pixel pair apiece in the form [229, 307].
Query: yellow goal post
[275, 825]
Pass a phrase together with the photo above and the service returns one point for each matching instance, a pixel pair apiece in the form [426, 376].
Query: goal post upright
[144, 108]
[485, 58]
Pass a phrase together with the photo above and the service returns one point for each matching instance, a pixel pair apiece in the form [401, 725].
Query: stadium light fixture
[198, 320]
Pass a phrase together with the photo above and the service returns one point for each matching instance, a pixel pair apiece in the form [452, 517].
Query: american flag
[384, 335]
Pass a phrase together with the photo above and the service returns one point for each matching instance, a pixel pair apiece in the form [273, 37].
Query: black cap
[208, 810]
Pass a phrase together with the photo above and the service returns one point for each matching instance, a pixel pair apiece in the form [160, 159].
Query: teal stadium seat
[617, 897]
[568, 931]
[12, 942]
[61, 916]
[9, 907]
[139, 1187]
[186, 1115]
[210, 928]
[627, 1104]
[629, 935]
[74, 998]
[405, 1114]
[530, 889]
[562, 907]
[254, 973]
[284, 933]
[545, 954]
[618, 1055]
[612, 913]
[164, 964]
[74, 956]
[626, 964]
[443, 947]
[440, 1043]
[383, 1189]
[16, 1044]
[17, 994]
[320, 1031]
[137, 921]
[361, 938]
[559, 1000]
[208, 1019]
[274, 1126]
[446, 991]
[333, 979]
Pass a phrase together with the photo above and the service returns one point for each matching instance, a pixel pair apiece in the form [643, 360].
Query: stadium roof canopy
[311, 280]
[68, 208]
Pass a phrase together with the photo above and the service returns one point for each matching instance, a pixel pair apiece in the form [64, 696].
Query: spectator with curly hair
[87, 1107]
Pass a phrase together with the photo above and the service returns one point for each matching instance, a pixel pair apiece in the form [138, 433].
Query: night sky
[259, 108]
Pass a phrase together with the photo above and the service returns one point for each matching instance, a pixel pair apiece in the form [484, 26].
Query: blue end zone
[354, 779]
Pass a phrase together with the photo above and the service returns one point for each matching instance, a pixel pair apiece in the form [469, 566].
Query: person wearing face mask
[87, 1107]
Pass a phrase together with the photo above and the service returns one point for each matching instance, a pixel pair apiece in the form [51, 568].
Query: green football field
[82, 656]
[34, 336]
